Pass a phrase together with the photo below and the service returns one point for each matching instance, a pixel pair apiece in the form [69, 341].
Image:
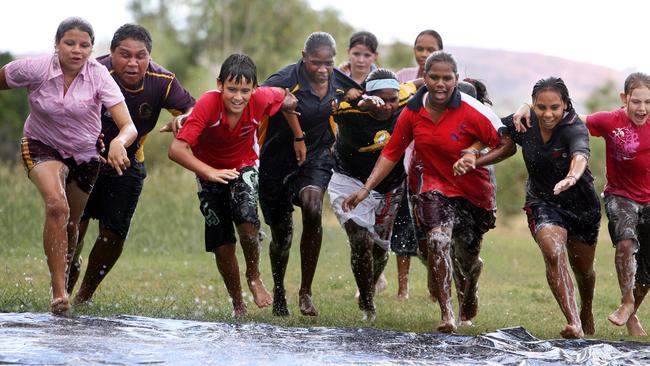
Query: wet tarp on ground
[28, 338]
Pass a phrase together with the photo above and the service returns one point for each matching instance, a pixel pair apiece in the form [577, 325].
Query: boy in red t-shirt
[218, 142]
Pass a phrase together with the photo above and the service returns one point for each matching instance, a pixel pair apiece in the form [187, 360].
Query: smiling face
[440, 81]
[637, 104]
[549, 109]
[236, 95]
[130, 61]
[319, 64]
[425, 45]
[74, 49]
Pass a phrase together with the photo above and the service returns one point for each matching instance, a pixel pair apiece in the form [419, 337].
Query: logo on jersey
[380, 140]
[145, 111]
[626, 143]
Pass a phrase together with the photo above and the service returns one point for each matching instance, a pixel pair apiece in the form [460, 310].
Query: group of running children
[405, 158]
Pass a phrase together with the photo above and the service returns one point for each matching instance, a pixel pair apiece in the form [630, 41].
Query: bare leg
[403, 265]
[248, 235]
[440, 274]
[49, 178]
[281, 234]
[581, 257]
[75, 263]
[103, 256]
[467, 269]
[633, 324]
[361, 259]
[229, 270]
[551, 240]
[625, 269]
[311, 203]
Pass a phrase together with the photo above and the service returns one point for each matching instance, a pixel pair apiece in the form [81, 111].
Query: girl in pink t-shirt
[59, 145]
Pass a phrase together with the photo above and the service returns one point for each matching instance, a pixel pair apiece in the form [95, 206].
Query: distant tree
[13, 112]
[397, 55]
[604, 98]
[199, 34]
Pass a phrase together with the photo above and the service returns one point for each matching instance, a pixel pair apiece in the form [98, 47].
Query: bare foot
[306, 305]
[446, 326]
[60, 306]
[381, 284]
[572, 332]
[369, 315]
[403, 292]
[469, 309]
[239, 310]
[261, 296]
[465, 324]
[587, 320]
[634, 327]
[280, 303]
[621, 315]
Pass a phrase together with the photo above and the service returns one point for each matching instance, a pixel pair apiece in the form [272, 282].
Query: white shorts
[376, 213]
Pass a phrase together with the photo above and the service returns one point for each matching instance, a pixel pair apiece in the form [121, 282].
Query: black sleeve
[577, 136]
[510, 129]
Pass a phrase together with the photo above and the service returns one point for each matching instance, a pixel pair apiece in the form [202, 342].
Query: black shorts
[583, 226]
[468, 223]
[34, 152]
[280, 187]
[402, 241]
[629, 220]
[114, 198]
[225, 204]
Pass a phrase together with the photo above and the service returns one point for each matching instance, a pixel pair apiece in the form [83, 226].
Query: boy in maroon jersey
[219, 143]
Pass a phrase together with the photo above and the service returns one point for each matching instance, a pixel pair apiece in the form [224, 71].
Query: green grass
[164, 271]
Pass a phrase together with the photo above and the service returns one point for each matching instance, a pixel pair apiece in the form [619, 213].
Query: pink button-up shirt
[71, 124]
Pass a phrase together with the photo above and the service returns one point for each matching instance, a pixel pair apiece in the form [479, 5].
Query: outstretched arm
[472, 159]
[117, 156]
[181, 152]
[577, 167]
[289, 111]
[379, 172]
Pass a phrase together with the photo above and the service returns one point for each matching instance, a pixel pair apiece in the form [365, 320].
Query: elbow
[172, 152]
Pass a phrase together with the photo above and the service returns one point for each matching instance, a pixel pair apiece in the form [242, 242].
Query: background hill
[510, 76]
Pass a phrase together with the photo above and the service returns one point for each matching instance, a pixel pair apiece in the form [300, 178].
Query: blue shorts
[223, 205]
[583, 226]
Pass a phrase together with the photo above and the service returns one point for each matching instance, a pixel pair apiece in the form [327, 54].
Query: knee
[438, 241]
[312, 213]
[625, 248]
[57, 208]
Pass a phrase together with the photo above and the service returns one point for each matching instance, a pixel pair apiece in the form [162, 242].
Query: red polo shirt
[207, 130]
[439, 144]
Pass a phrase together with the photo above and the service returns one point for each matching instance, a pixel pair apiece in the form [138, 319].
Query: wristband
[301, 138]
[365, 189]
[470, 151]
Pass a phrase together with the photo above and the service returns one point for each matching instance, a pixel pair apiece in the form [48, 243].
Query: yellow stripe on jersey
[333, 125]
[261, 130]
[139, 154]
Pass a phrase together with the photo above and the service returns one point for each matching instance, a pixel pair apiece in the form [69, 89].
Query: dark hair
[317, 40]
[467, 88]
[74, 23]
[134, 31]
[441, 56]
[554, 84]
[431, 33]
[365, 39]
[379, 74]
[480, 90]
[635, 80]
[237, 67]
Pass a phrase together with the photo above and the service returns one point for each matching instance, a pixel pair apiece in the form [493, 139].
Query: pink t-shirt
[71, 124]
[207, 129]
[408, 74]
[627, 149]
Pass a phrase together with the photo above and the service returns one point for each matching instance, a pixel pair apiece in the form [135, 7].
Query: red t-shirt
[206, 129]
[627, 148]
[438, 146]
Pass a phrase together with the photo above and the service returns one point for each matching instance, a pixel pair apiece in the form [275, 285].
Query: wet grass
[164, 271]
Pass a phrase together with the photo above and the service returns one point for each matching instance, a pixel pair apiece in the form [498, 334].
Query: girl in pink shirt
[59, 145]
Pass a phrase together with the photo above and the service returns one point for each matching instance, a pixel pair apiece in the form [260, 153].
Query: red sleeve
[596, 123]
[402, 136]
[205, 113]
[484, 129]
[268, 101]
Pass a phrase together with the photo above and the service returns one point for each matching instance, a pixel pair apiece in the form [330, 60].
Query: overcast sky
[598, 31]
